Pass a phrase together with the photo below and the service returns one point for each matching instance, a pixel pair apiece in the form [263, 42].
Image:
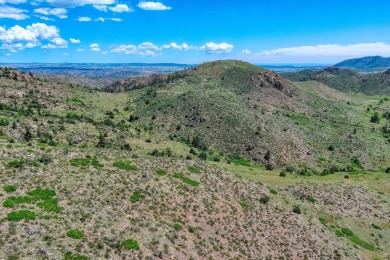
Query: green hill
[181, 167]
[346, 80]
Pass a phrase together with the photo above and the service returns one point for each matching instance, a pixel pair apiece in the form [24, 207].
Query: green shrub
[42, 194]
[241, 161]
[136, 196]
[244, 204]
[282, 174]
[347, 231]
[130, 244]
[75, 234]
[339, 233]
[161, 172]
[356, 240]
[323, 220]
[177, 227]
[125, 165]
[193, 169]
[297, 209]
[269, 166]
[16, 164]
[9, 188]
[264, 199]
[14, 200]
[273, 191]
[16, 216]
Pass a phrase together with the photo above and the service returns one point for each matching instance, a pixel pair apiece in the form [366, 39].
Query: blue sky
[186, 31]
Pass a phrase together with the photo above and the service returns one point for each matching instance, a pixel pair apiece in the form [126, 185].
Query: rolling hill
[346, 80]
[224, 160]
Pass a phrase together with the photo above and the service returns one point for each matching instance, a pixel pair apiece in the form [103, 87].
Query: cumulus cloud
[84, 19]
[153, 6]
[175, 46]
[59, 12]
[32, 36]
[74, 40]
[144, 49]
[94, 47]
[13, 13]
[217, 48]
[75, 3]
[121, 8]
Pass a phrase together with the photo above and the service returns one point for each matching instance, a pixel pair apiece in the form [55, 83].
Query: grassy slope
[96, 199]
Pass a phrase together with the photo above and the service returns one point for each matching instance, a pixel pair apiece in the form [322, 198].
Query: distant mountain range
[372, 63]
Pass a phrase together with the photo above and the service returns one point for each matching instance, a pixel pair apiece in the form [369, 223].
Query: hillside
[372, 63]
[181, 168]
[346, 80]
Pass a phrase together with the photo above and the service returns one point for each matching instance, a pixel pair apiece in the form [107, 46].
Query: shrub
[297, 209]
[136, 196]
[9, 188]
[130, 244]
[193, 169]
[16, 216]
[347, 231]
[282, 174]
[75, 234]
[375, 118]
[16, 164]
[244, 204]
[269, 166]
[264, 199]
[273, 191]
[125, 165]
[177, 227]
[387, 170]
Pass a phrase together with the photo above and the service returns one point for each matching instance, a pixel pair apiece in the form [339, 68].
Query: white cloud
[121, 8]
[59, 12]
[100, 19]
[74, 3]
[246, 52]
[80, 49]
[102, 8]
[32, 36]
[175, 46]
[217, 48]
[84, 19]
[148, 45]
[115, 19]
[56, 43]
[127, 49]
[44, 18]
[13, 13]
[74, 40]
[94, 47]
[65, 54]
[15, 2]
[153, 6]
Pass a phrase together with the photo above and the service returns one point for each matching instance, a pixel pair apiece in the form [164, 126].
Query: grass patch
[17, 216]
[70, 256]
[78, 162]
[186, 180]
[130, 244]
[242, 162]
[16, 163]
[161, 172]
[347, 231]
[193, 169]
[15, 200]
[356, 240]
[273, 191]
[136, 197]
[9, 188]
[125, 165]
[75, 234]
[244, 204]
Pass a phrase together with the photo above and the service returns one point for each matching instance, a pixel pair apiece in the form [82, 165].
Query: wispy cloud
[84, 19]
[59, 12]
[13, 13]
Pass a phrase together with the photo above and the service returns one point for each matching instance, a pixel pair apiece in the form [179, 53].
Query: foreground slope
[79, 181]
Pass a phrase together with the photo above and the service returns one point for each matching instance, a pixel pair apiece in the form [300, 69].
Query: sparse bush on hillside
[375, 118]
[75, 234]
